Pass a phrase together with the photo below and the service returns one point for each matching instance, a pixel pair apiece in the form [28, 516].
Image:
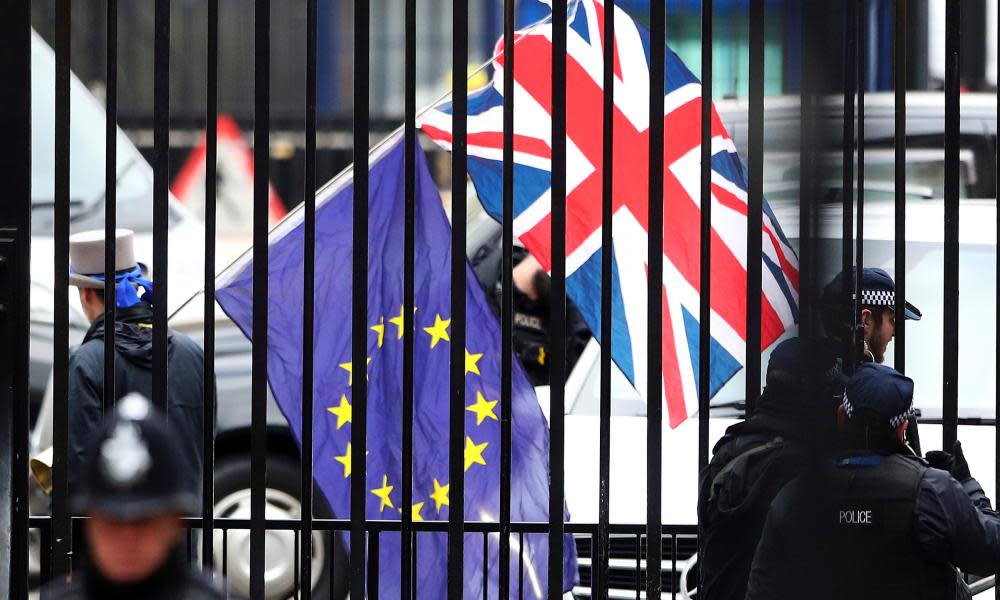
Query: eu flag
[432, 325]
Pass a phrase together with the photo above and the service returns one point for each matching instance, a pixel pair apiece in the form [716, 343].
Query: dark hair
[838, 319]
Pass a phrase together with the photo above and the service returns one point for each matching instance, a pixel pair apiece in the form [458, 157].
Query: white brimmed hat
[86, 257]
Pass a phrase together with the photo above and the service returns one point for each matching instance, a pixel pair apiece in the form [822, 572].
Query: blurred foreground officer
[133, 350]
[877, 522]
[135, 493]
[793, 422]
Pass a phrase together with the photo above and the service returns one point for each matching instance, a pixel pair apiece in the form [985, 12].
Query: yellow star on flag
[380, 330]
[349, 367]
[343, 411]
[438, 331]
[483, 409]
[440, 495]
[472, 362]
[474, 453]
[383, 493]
[415, 512]
[398, 322]
[345, 460]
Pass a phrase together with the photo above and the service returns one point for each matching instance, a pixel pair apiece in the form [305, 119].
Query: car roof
[924, 117]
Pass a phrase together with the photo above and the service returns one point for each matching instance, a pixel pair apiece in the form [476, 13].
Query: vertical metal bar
[110, 202]
[45, 543]
[673, 566]
[208, 373]
[638, 566]
[258, 394]
[456, 437]
[953, 33]
[373, 569]
[308, 306]
[847, 187]
[557, 303]
[899, 70]
[705, 306]
[808, 190]
[520, 566]
[486, 565]
[407, 569]
[161, 195]
[655, 292]
[705, 251]
[600, 554]
[15, 260]
[755, 201]
[295, 565]
[859, 237]
[61, 524]
[359, 302]
[225, 556]
[506, 299]
[413, 565]
[333, 558]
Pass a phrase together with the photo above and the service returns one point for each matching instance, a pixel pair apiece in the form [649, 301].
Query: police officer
[877, 319]
[532, 289]
[133, 349]
[877, 322]
[793, 421]
[135, 492]
[877, 521]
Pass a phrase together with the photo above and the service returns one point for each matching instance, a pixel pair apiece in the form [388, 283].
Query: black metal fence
[653, 544]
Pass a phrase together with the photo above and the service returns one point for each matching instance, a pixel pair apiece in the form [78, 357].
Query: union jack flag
[584, 172]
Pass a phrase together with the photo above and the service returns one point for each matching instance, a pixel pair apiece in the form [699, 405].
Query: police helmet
[133, 470]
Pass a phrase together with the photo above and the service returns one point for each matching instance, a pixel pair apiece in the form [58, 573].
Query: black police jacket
[176, 580]
[750, 465]
[134, 373]
[875, 525]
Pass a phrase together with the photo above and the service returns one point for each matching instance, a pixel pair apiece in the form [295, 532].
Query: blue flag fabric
[432, 326]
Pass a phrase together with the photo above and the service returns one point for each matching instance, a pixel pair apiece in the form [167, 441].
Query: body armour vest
[871, 517]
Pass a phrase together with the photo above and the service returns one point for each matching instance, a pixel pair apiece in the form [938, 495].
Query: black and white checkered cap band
[878, 298]
[894, 422]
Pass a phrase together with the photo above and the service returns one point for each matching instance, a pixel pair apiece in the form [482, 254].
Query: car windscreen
[86, 157]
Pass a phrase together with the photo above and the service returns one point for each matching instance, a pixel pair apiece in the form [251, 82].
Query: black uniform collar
[159, 584]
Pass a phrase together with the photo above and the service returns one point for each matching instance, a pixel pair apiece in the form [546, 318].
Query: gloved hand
[954, 462]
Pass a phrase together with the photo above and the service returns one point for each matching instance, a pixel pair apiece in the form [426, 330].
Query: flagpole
[343, 177]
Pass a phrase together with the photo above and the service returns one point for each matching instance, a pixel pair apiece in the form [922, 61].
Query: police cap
[880, 392]
[133, 470]
[877, 290]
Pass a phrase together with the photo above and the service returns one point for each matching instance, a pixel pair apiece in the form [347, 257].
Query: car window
[925, 168]
[86, 154]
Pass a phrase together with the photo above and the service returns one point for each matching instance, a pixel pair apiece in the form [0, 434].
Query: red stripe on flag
[730, 201]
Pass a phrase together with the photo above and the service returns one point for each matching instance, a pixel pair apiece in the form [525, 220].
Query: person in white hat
[133, 341]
